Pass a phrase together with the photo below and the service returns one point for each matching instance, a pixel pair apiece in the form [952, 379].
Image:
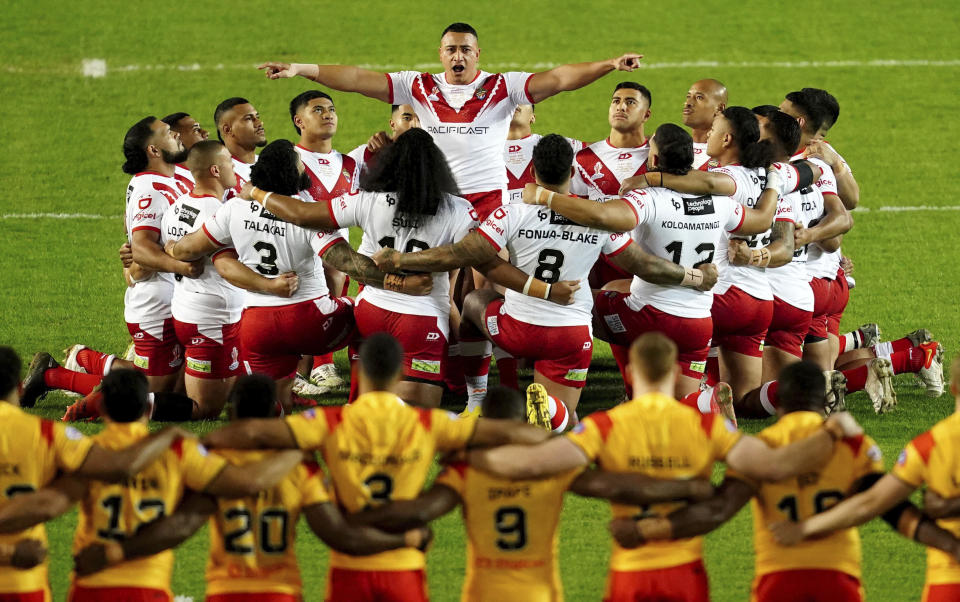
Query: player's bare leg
[743, 373]
[210, 395]
[475, 346]
[621, 286]
[818, 352]
[421, 394]
[285, 394]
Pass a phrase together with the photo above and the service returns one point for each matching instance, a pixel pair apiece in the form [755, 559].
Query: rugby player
[518, 151]
[402, 118]
[240, 129]
[705, 99]
[190, 133]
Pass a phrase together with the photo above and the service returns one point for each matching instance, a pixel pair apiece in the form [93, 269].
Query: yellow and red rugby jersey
[934, 458]
[657, 436]
[803, 496]
[379, 449]
[252, 539]
[31, 451]
[511, 534]
[115, 511]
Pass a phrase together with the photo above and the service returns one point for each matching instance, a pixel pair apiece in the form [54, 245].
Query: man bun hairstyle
[552, 158]
[276, 169]
[674, 149]
[303, 99]
[135, 145]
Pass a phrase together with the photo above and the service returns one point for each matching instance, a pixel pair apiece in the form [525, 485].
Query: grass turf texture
[61, 281]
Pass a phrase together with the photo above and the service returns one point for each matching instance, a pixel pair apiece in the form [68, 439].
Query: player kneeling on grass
[377, 449]
[825, 569]
[929, 459]
[252, 552]
[111, 513]
[275, 331]
[34, 450]
[512, 525]
[548, 247]
[658, 437]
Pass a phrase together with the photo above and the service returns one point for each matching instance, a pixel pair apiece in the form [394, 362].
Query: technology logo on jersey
[188, 214]
[701, 205]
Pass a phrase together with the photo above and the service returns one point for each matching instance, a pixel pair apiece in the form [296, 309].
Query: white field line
[883, 209]
[96, 67]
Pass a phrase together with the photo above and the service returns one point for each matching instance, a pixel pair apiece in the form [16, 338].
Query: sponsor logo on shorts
[433, 336]
[73, 434]
[492, 326]
[141, 361]
[196, 341]
[235, 354]
[578, 375]
[205, 366]
[698, 366]
[139, 335]
[587, 345]
[614, 323]
[428, 366]
[762, 343]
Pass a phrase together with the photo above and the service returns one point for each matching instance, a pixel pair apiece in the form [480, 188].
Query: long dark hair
[413, 168]
[746, 134]
[276, 169]
[135, 145]
[674, 149]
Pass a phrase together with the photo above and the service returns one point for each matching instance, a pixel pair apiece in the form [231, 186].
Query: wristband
[546, 294]
[645, 180]
[774, 180]
[537, 197]
[760, 257]
[692, 278]
[550, 200]
[257, 194]
[265, 197]
[526, 287]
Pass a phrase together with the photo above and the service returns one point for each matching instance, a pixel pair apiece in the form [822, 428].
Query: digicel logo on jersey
[461, 129]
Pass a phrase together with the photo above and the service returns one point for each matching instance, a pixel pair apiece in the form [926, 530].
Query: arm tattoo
[782, 232]
[473, 250]
[359, 267]
[649, 267]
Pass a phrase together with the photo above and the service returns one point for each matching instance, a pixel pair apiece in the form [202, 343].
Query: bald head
[705, 99]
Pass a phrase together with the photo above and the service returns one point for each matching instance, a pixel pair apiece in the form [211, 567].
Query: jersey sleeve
[309, 428]
[217, 227]
[149, 208]
[642, 204]
[454, 476]
[912, 466]
[591, 434]
[311, 487]
[616, 243]
[827, 184]
[730, 174]
[70, 446]
[735, 214]
[466, 222]
[199, 466]
[518, 84]
[450, 431]
[322, 240]
[343, 209]
[496, 228]
[401, 86]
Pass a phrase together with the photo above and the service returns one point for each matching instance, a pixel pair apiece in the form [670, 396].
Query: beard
[175, 157]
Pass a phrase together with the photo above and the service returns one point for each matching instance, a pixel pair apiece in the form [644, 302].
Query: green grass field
[893, 66]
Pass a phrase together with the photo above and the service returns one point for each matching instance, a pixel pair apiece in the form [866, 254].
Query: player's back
[271, 247]
[657, 436]
[685, 229]
[384, 225]
[252, 539]
[207, 298]
[551, 248]
[801, 497]
[31, 451]
[933, 458]
[380, 449]
[511, 534]
[116, 511]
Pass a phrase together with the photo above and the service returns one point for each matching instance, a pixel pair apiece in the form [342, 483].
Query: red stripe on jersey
[46, 430]
[626, 243]
[333, 416]
[706, 423]
[389, 88]
[526, 89]
[855, 443]
[426, 418]
[831, 193]
[177, 447]
[166, 191]
[312, 467]
[210, 236]
[924, 445]
[460, 467]
[157, 230]
[426, 91]
[603, 423]
[152, 173]
[785, 219]
[635, 214]
[490, 240]
[743, 214]
[333, 218]
[328, 245]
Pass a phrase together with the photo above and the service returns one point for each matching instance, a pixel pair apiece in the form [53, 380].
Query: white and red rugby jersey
[601, 168]
[518, 155]
[469, 122]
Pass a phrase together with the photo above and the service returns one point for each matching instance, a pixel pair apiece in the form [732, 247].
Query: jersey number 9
[511, 523]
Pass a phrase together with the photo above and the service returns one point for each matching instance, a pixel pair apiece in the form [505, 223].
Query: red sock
[92, 360]
[322, 360]
[691, 400]
[508, 372]
[909, 360]
[559, 417]
[78, 382]
[856, 378]
[843, 344]
[901, 344]
[622, 355]
[713, 371]
[768, 397]
[475, 356]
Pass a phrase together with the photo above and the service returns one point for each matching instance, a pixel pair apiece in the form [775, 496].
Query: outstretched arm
[836, 220]
[660, 271]
[362, 269]
[339, 77]
[250, 479]
[192, 246]
[297, 212]
[545, 84]
[525, 462]
[240, 276]
[692, 182]
[253, 433]
[402, 515]
[113, 466]
[778, 253]
[638, 489]
[471, 250]
[28, 509]
[148, 253]
[614, 215]
[328, 524]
